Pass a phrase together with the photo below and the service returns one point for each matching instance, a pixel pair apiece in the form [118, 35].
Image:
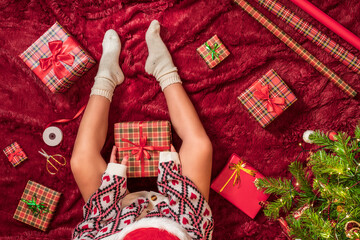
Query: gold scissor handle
[63, 163]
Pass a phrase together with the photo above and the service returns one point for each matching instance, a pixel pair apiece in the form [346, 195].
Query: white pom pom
[306, 136]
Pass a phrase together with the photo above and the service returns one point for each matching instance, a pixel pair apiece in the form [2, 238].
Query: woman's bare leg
[87, 164]
[196, 149]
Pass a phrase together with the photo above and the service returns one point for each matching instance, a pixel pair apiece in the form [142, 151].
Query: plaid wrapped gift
[142, 142]
[57, 59]
[15, 154]
[37, 205]
[267, 98]
[213, 51]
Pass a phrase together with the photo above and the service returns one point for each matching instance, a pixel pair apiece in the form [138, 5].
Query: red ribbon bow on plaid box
[60, 53]
[272, 103]
[18, 153]
[141, 149]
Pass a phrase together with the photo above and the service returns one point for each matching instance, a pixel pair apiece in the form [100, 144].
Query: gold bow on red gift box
[237, 168]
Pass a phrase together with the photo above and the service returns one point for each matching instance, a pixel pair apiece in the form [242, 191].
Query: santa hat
[150, 234]
[152, 229]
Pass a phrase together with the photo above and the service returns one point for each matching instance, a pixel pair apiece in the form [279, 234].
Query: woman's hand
[113, 157]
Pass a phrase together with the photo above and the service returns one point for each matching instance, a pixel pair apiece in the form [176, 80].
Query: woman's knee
[75, 163]
[204, 146]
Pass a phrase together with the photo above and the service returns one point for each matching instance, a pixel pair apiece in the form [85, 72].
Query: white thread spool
[52, 136]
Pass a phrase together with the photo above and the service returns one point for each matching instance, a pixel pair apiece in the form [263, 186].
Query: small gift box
[267, 98]
[213, 51]
[142, 142]
[236, 184]
[57, 59]
[15, 154]
[37, 205]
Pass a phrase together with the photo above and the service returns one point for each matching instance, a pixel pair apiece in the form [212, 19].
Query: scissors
[57, 158]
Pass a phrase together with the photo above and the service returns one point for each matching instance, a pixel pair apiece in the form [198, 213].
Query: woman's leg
[87, 164]
[196, 149]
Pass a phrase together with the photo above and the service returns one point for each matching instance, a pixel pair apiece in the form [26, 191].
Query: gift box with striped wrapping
[142, 142]
[57, 59]
[267, 98]
[213, 51]
[15, 154]
[37, 205]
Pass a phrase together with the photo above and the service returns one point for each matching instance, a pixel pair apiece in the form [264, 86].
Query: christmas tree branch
[273, 185]
[298, 172]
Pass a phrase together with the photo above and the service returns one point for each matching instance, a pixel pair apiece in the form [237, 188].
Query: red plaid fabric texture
[43, 195]
[158, 134]
[257, 107]
[15, 154]
[297, 48]
[313, 34]
[40, 50]
[220, 51]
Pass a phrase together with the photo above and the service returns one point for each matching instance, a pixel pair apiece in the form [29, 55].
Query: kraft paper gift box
[213, 51]
[243, 194]
[142, 142]
[37, 205]
[15, 154]
[57, 59]
[267, 98]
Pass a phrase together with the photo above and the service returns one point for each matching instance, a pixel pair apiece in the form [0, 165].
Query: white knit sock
[109, 74]
[159, 62]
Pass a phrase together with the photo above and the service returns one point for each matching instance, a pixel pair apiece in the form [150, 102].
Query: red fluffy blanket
[27, 105]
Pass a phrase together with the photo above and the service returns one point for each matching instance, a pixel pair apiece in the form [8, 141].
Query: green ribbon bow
[212, 50]
[36, 208]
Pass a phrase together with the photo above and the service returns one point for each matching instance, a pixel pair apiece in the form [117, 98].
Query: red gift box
[243, 194]
[57, 59]
[15, 154]
[142, 142]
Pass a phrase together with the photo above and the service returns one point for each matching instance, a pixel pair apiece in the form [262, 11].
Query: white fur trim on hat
[155, 222]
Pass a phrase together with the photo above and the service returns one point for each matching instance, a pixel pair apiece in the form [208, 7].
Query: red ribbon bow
[60, 53]
[18, 152]
[272, 104]
[141, 149]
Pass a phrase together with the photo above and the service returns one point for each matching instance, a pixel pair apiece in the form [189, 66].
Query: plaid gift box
[142, 142]
[213, 51]
[37, 205]
[57, 59]
[267, 98]
[15, 154]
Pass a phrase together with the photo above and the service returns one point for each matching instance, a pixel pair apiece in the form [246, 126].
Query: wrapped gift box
[142, 142]
[267, 98]
[57, 59]
[244, 194]
[213, 51]
[15, 154]
[37, 205]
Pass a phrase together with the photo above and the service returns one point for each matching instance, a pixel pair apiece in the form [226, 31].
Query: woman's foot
[159, 62]
[109, 74]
